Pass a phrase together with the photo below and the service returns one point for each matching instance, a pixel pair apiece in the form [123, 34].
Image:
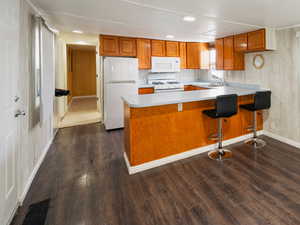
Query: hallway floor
[81, 111]
[85, 176]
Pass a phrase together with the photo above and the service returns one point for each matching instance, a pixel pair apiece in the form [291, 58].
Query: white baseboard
[34, 172]
[183, 155]
[282, 139]
[10, 219]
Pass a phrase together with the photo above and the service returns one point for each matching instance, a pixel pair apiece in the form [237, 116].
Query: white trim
[86, 96]
[34, 172]
[183, 155]
[282, 139]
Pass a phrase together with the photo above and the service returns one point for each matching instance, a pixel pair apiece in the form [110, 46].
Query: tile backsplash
[182, 76]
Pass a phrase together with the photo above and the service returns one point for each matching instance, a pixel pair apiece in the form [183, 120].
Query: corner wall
[280, 74]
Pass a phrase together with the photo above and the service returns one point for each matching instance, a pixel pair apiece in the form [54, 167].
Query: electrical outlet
[180, 107]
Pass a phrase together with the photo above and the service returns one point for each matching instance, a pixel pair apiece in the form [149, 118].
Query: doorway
[82, 84]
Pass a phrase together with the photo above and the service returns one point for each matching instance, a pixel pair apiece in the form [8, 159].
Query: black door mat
[37, 213]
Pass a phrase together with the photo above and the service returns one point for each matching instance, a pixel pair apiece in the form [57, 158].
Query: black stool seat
[262, 100]
[249, 107]
[226, 106]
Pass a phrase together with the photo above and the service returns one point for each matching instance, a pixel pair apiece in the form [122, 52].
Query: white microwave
[165, 64]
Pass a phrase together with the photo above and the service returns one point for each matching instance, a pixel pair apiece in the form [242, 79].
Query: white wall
[281, 74]
[37, 139]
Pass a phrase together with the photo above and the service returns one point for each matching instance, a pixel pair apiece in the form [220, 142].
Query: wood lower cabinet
[109, 45]
[172, 49]
[148, 90]
[257, 40]
[127, 46]
[219, 45]
[182, 54]
[158, 48]
[144, 53]
[193, 88]
[232, 60]
[240, 42]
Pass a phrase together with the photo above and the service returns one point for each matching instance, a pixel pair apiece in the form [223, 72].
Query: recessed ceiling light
[77, 31]
[189, 18]
[170, 36]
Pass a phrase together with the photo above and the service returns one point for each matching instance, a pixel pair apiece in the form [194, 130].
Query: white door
[9, 138]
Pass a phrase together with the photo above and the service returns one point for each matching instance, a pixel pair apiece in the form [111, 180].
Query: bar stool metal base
[220, 154]
[256, 142]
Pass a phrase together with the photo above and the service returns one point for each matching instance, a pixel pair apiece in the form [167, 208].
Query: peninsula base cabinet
[156, 132]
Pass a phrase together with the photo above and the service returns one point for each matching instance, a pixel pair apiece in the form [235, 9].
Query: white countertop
[156, 99]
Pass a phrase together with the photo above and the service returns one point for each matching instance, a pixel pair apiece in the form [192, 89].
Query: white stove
[166, 85]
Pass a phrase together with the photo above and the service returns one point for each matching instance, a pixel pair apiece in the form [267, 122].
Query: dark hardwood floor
[85, 176]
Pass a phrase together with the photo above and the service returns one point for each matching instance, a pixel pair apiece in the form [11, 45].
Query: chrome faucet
[220, 81]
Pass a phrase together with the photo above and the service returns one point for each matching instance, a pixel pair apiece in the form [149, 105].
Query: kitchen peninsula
[164, 127]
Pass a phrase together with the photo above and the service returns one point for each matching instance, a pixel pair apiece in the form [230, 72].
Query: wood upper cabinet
[144, 53]
[228, 53]
[197, 55]
[232, 60]
[219, 45]
[193, 55]
[127, 46]
[109, 45]
[158, 48]
[257, 40]
[182, 54]
[240, 42]
[172, 48]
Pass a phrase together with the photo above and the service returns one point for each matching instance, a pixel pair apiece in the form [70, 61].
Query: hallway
[81, 111]
[85, 177]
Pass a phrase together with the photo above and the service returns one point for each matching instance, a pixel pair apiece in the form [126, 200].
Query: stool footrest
[213, 137]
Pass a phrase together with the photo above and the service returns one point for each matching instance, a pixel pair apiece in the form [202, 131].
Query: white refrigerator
[120, 78]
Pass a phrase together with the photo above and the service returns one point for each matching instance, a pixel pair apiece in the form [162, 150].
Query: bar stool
[262, 100]
[226, 106]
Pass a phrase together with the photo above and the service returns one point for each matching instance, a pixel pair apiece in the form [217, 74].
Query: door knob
[20, 113]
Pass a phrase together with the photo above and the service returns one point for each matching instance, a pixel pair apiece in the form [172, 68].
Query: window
[212, 66]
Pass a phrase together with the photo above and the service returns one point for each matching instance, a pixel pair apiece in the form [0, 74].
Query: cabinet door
[158, 48]
[193, 55]
[228, 53]
[109, 45]
[144, 53]
[204, 56]
[172, 48]
[219, 44]
[182, 51]
[144, 91]
[240, 42]
[127, 46]
[256, 40]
